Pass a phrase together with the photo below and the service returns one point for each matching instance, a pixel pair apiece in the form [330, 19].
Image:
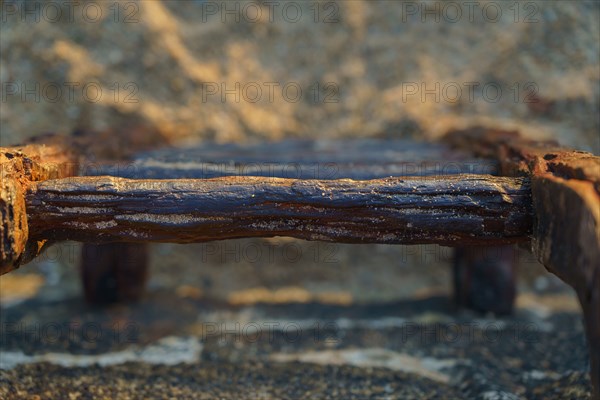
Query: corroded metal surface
[566, 198]
[19, 167]
[455, 209]
[300, 159]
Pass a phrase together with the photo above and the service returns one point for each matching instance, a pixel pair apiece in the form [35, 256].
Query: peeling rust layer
[19, 166]
[518, 156]
[13, 230]
[446, 210]
[566, 198]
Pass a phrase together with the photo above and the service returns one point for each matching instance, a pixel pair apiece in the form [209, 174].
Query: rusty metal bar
[447, 210]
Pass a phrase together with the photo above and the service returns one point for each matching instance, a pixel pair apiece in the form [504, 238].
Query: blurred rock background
[365, 68]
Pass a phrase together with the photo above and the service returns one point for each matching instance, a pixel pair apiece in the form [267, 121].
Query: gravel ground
[209, 332]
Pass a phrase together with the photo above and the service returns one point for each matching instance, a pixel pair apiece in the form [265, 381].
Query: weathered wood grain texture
[566, 199]
[447, 210]
[19, 166]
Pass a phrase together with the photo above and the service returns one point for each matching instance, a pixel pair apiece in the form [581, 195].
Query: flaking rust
[19, 167]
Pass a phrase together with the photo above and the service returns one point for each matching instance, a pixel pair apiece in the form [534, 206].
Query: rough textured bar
[478, 209]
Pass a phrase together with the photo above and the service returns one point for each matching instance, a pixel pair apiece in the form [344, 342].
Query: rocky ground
[241, 70]
[377, 323]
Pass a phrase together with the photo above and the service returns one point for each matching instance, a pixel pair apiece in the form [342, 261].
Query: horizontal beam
[156, 169]
[458, 209]
[358, 159]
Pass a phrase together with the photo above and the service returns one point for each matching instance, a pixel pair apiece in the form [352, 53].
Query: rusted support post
[566, 199]
[114, 272]
[590, 301]
[460, 209]
[567, 241]
[484, 278]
